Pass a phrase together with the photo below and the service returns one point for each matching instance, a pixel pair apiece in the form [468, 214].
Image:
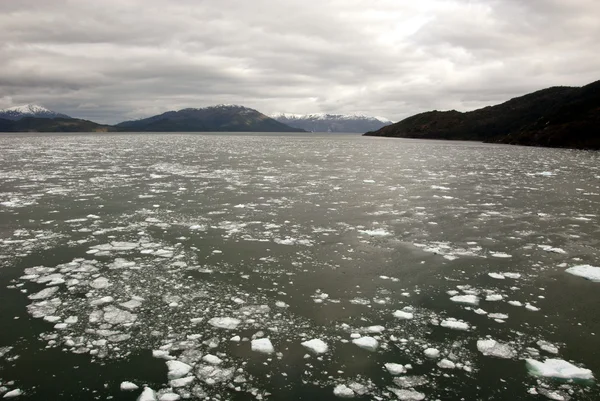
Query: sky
[115, 60]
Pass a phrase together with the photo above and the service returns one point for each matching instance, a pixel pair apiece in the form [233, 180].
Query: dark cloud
[115, 59]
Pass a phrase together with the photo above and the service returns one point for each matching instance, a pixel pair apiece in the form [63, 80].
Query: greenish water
[138, 241]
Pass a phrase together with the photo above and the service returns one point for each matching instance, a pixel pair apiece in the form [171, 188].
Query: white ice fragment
[494, 348]
[99, 283]
[368, 343]
[13, 393]
[557, 368]
[399, 314]
[44, 294]
[591, 273]
[114, 315]
[169, 397]
[395, 368]
[212, 359]
[465, 299]
[546, 346]
[157, 353]
[183, 382]
[494, 297]
[431, 353]
[500, 255]
[178, 369]
[128, 386]
[454, 324]
[375, 329]
[228, 323]
[407, 395]
[446, 364]
[147, 395]
[497, 276]
[378, 232]
[262, 345]
[532, 308]
[316, 346]
[343, 391]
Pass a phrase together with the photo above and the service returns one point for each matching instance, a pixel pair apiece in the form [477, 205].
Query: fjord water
[144, 239]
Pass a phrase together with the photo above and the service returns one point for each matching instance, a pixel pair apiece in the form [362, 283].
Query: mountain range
[321, 122]
[554, 117]
[222, 118]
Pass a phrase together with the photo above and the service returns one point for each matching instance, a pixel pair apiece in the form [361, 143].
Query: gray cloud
[120, 59]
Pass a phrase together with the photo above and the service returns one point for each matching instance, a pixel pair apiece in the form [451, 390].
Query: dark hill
[34, 124]
[216, 118]
[556, 117]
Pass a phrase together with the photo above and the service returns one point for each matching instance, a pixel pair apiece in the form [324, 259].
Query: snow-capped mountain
[29, 110]
[323, 122]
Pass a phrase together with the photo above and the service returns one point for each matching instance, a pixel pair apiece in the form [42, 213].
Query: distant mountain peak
[29, 110]
[329, 122]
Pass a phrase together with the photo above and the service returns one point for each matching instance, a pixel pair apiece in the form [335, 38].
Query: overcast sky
[112, 60]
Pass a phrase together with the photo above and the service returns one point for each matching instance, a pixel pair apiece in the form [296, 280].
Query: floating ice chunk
[494, 348]
[410, 381]
[147, 395]
[375, 329]
[407, 395]
[549, 248]
[169, 397]
[399, 314]
[316, 346]
[466, 299]
[446, 364]
[13, 393]
[454, 324]
[183, 382]
[178, 369]
[480, 311]
[512, 275]
[546, 346]
[497, 276]
[515, 303]
[431, 353]
[395, 368]
[262, 345]
[532, 308]
[591, 273]
[44, 294]
[114, 315]
[557, 368]
[211, 374]
[102, 301]
[281, 304]
[378, 232]
[343, 391]
[158, 353]
[128, 386]
[228, 323]
[212, 359]
[368, 343]
[500, 255]
[502, 316]
[99, 283]
[131, 304]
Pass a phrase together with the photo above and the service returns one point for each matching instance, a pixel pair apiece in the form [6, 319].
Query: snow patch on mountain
[29, 110]
[325, 122]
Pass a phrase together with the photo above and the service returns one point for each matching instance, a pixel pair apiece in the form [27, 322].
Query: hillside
[556, 117]
[321, 122]
[223, 118]
[33, 124]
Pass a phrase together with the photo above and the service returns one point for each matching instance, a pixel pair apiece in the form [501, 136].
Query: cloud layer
[113, 60]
